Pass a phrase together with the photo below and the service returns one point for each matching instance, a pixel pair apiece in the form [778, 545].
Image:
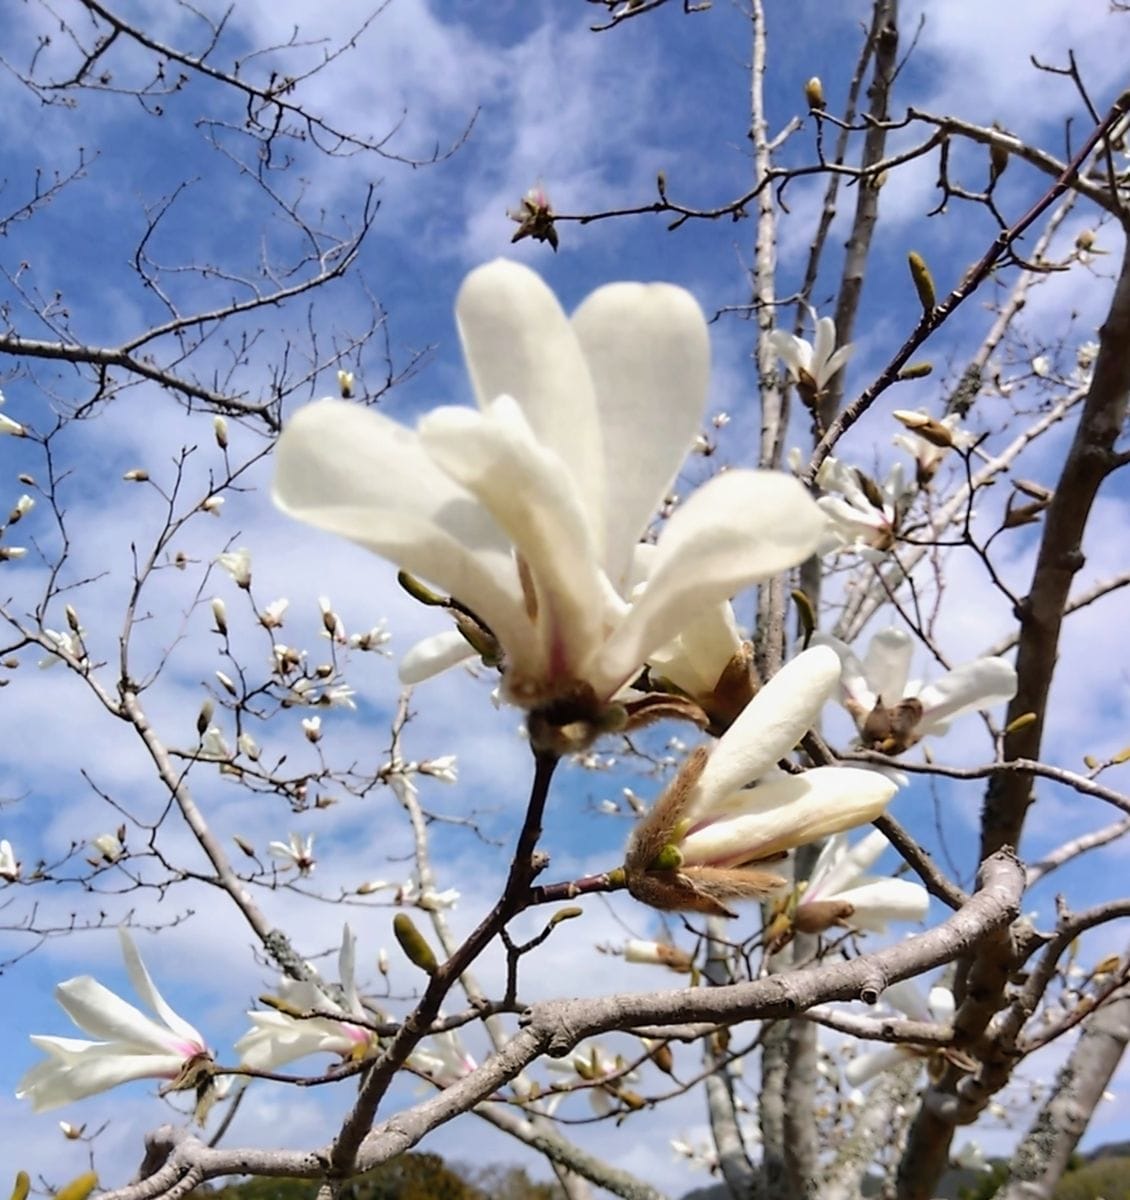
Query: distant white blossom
[237, 563]
[9, 867]
[297, 851]
[812, 365]
[109, 846]
[891, 711]
[863, 515]
[904, 998]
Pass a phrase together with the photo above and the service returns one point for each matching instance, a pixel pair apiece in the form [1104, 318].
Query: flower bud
[923, 281]
[136, 475]
[204, 717]
[22, 1186]
[382, 961]
[814, 94]
[413, 943]
[220, 615]
[7, 425]
[23, 505]
[212, 505]
[244, 845]
[72, 618]
[312, 727]
[345, 384]
[9, 553]
[226, 683]
[248, 746]
[220, 430]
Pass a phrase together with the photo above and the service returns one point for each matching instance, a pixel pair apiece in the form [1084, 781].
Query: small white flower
[375, 639]
[812, 365]
[891, 711]
[272, 615]
[312, 727]
[442, 1059]
[862, 515]
[286, 659]
[445, 768]
[278, 1037]
[248, 746]
[338, 695]
[213, 505]
[9, 867]
[237, 563]
[213, 745]
[1041, 366]
[298, 852]
[432, 901]
[132, 1046]
[108, 846]
[22, 507]
[66, 643]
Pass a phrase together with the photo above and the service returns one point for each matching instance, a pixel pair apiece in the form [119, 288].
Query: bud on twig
[220, 431]
[204, 717]
[923, 281]
[814, 94]
[413, 943]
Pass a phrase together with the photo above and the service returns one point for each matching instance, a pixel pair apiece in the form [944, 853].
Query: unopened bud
[244, 845]
[136, 475]
[212, 505]
[23, 505]
[806, 614]
[78, 1188]
[1020, 722]
[26, 480]
[661, 184]
[413, 943]
[220, 430]
[923, 281]
[226, 683]
[312, 726]
[71, 1132]
[918, 370]
[22, 1186]
[248, 746]
[1085, 240]
[814, 93]
[382, 961]
[220, 615]
[204, 717]
[72, 618]
[345, 384]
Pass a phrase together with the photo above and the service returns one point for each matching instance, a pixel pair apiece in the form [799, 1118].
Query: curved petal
[876, 903]
[53, 1083]
[98, 1011]
[518, 342]
[854, 684]
[533, 498]
[848, 866]
[787, 812]
[794, 352]
[887, 664]
[648, 356]
[356, 473]
[874, 1062]
[823, 346]
[768, 728]
[982, 683]
[435, 654]
[906, 997]
[143, 985]
[695, 660]
[346, 961]
[741, 527]
[942, 1004]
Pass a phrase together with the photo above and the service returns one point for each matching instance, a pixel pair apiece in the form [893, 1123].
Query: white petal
[435, 654]
[356, 473]
[769, 726]
[648, 356]
[794, 352]
[942, 1005]
[906, 997]
[94, 1069]
[786, 812]
[823, 346]
[841, 870]
[695, 660]
[533, 498]
[144, 986]
[873, 1062]
[97, 1011]
[883, 900]
[887, 664]
[741, 527]
[983, 683]
[518, 342]
[853, 678]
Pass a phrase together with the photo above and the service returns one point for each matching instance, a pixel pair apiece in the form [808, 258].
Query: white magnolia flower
[528, 511]
[374, 639]
[659, 954]
[279, 1036]
[863, 516]
[109, 847]
[445, 768]
[67, 643]
[905, 998]
[1041, 366]
[694, 849]
[337, 695]
[840, 892]
[811, 365]
[272, 615]
[442, 1059]
[21, 508]
[892, 712]
[312, 727]
[249, 746]
[929, 440]
[431, 900]
[213, 745]
[131, 1046]
[237, 563]
[297, 851]
[9, 867]
[7, 425]
[213, 505]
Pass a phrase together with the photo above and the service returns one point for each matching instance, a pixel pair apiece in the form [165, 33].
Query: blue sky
[593, 118]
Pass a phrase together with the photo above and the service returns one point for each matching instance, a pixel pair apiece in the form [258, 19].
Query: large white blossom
[863, 515]
[131, 1045]
[892, 711]
[695, 848]
[279, 1036]
[528, 510]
